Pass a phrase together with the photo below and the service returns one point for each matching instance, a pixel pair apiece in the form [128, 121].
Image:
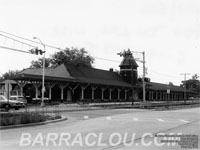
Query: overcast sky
[167, 30]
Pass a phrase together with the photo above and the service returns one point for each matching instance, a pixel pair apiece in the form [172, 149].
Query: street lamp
[43, 71]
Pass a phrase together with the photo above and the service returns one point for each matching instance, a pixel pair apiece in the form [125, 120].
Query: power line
[13, 49]
[166, 75]
[64, 49]
[107, 59]
[16, 40]
[31, 40]
[50, 45]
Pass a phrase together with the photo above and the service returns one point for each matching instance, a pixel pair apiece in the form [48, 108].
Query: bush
[25, 118]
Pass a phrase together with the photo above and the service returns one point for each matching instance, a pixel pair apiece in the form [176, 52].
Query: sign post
[168, 98]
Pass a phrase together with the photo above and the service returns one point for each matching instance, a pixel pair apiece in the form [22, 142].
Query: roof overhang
[29, 77]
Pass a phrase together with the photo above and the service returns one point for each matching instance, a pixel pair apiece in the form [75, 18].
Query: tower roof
[128, 59]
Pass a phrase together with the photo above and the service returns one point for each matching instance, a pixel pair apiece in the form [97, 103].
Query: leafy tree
[195, 77]
[193, 84]
[69, 56]
[72, 56]
[9, 74]
[38, 63]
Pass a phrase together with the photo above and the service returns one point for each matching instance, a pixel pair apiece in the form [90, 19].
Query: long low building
[72, 83]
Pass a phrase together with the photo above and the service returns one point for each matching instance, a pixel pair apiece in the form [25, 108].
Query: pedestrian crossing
[137, 119]
[185, 121]
[159, 119]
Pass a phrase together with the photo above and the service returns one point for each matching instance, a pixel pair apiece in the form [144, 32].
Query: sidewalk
[74, 107]
[56, 108]
[99, 106]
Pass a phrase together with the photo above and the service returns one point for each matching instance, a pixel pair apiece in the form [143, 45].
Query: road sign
[168, 91]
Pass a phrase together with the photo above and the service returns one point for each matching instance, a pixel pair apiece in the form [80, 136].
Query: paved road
[107, 129]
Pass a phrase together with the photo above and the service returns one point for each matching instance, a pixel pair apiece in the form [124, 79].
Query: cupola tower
[128, 67]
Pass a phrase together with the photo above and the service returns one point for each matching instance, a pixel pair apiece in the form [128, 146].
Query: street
[106, 129]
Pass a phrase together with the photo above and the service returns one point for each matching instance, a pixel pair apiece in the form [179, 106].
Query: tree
[9, 74]
[193, 84]
[72, 56]
[38, 63]
[69, 56]
[195, 77]
[171, 84]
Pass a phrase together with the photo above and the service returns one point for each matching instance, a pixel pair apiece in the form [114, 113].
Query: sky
[167, 30]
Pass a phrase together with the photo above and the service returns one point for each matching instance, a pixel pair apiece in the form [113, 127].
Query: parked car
[19, 98]
[7, 104]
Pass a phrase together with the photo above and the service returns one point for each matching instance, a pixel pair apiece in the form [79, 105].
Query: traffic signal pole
[43, 74]
[43, 71]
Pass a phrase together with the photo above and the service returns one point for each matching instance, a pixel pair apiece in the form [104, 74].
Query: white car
[19, 98]
[7, 104]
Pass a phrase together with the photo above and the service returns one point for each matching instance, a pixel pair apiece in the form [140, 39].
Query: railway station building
[73, 83]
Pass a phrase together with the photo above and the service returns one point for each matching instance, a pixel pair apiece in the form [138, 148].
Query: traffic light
[41, 52]
[36, 51]
[145, 79]
[139, 79]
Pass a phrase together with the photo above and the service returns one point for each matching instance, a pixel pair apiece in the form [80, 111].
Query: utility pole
[143, 82]
[185, 90]
[143, 78]
[132, 84]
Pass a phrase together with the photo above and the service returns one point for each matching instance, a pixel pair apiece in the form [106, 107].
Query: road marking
[108, 118]
[183, 120]
[85, 117]
[161, 120]
[135, 119]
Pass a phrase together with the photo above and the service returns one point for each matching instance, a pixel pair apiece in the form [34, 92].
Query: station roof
[75, 73]
[128, 59]
[91, 75]
[83, 74]
[58, 73]
[160, 86]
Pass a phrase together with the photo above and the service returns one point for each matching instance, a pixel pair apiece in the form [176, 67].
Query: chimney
[111, 69]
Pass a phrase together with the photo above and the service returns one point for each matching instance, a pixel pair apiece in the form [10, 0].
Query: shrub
[25, 117]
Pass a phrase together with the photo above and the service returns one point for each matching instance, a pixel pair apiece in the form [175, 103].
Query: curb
[176, 108]
[63, 118]
[73, 110]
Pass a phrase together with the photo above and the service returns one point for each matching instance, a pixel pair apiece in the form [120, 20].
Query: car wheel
[7, 107]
